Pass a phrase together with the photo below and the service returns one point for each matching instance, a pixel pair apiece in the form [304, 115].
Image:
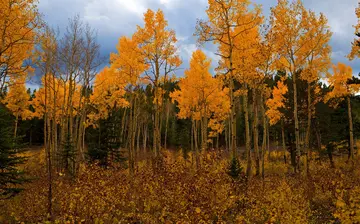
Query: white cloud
[135, 6]
[164, 2]
[115, 18]
[187, 50]
[115, 9]
[182, 38]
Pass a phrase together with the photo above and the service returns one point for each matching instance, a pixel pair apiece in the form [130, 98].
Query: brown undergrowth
[173, 191]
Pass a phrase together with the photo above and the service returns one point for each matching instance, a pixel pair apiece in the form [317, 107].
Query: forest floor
[173, 191]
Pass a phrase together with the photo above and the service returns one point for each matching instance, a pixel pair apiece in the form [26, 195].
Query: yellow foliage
[19, 23]
[348, 205]
[157, 45]
[302, 39]
[339, 82]
[355, 50]
[276, 102]
[109, 93]
[287, 206]
[201, 95]
[17, 100]
[54, 91]
[177, 193]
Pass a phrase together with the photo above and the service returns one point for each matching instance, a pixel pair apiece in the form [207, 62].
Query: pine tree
[67, 155]
[106, 148]
[10, 176]
[235, 169]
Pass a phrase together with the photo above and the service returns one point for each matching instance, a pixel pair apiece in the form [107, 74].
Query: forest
[268, 136]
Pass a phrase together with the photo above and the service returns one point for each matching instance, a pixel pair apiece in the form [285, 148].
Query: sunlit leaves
[157, 45]
[339, 82]
[112, 83]
[129, 61]
[109, 91]
[200, 94]
[234, 26]
[301, 39]
[17, 100]
[18, 26]
[277, 102]
[54, 94]
[317, 48]
[355, 50]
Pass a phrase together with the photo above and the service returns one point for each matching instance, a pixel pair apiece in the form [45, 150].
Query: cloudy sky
[115, 18]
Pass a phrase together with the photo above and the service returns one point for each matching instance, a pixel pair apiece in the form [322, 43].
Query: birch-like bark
[351, 133]
[247, 136]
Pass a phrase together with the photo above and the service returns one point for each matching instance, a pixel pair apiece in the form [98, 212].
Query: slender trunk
[130, 137]
[80, 129]
[226, 137]
[198, 133]
[145, 136]
[78, 120]
[268, 138]
[79, 154]
[54, 127]
[247, 137]
[157, 137]
[192, 136]
[49, 179]
[49, 136]
[350, 128]
[69, 130]
[83, 138]
[167, 123]
[134, 128]
[197, 160]
[232, 133]
[330, 149]
[308, 130]
[16, 126]
[263, 147]
[283, 139]
[232, 117]
[161, 120]
[63, 124]
[80, 149]
[256, 133]
[131, 134]
[69, 112]
[318, 136]
[297, 133]
[138, 138]
[155, 132]
[203, 132]
[48, 154]
[123, 121]
[156, 140]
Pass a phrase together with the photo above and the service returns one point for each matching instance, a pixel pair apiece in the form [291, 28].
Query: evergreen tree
[10, 176]
[67, 155]
[234, 169]
[107, 147]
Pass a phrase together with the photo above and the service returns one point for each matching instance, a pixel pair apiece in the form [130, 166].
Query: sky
[115, 18]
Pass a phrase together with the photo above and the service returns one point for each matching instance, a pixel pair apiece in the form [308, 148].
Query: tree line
[268, 90]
